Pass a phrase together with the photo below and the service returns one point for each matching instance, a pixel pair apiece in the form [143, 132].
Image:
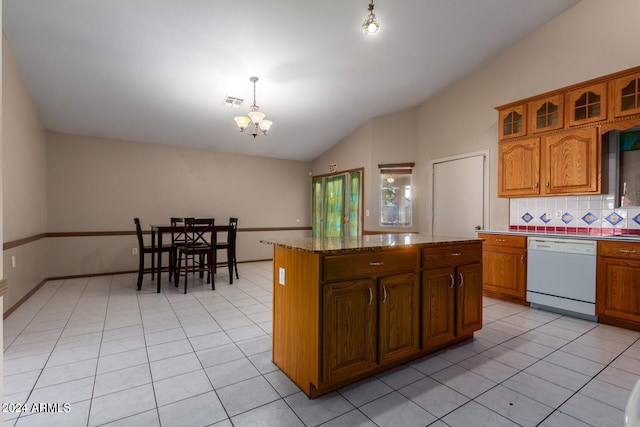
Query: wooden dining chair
[197, 251]
[229, 245]
[149, 249]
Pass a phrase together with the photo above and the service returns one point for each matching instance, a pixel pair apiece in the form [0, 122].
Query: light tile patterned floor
[126, 358]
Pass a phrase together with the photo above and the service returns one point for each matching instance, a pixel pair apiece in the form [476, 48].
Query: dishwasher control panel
[567, 246]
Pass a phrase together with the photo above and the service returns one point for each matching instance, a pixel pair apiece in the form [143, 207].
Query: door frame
[485, 186]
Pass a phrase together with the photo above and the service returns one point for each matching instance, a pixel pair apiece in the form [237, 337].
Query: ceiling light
[371, 25]
[256, 118]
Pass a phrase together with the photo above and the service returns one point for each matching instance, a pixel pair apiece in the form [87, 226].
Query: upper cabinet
[546, 114]
[561, 163]
[587, 104]
[572, 162]
[550, 144]
[625, 95]
[513, 122]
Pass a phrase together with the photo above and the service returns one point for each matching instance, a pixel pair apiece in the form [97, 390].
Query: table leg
[159, 260]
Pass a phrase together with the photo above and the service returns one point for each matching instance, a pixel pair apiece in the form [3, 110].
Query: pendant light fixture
[260, 125]
[371, 25]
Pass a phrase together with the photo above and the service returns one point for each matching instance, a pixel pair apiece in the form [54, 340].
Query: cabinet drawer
[504, 240]
[619, 249]
[370, 264]
[451, 255]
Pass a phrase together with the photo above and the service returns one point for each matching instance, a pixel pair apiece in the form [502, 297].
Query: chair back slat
[199, 232]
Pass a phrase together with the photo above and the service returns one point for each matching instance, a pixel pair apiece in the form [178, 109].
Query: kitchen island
[348, 308]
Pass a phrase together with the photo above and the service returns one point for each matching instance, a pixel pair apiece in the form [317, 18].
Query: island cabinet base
[339, 317]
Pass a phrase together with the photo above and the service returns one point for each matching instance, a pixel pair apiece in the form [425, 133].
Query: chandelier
[371, 25]
[256, 118]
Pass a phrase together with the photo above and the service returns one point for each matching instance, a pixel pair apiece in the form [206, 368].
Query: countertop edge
[303, 244]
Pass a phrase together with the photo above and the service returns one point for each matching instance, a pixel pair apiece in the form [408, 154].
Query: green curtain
[317, 207]
[354, 203]
[334, 206]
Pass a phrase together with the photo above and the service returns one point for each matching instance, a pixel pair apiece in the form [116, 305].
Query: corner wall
[24, 185]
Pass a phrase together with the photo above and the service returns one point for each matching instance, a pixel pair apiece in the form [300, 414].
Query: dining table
[160, 229]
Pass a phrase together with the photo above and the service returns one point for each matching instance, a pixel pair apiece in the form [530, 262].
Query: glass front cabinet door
[513, 122]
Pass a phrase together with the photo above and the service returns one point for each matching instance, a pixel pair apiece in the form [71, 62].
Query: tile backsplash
[571, 214]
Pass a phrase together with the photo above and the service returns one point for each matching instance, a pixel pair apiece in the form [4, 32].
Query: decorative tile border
[593, 213]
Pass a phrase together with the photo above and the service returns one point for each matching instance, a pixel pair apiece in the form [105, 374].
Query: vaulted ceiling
[159, 70]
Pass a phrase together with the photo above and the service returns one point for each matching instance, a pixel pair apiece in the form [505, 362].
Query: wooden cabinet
[571, 162]
[398, 317]
[550, 144]
[546, 114]
[504, 267]
[618, 283]
[350, 329]
[512, 122]
[339, 317]
[587, 104]
[367, 323]
[561, 163]
[625, 95]
[567, 162]
[451, 293]
[519, 168]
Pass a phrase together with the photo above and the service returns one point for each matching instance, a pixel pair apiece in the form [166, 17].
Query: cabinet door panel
[505, 270]
[572, 162]
[519, 168]
[438, 307]
[349, 329]
[626, 95]
[469, 299]
[587, 104]
[399, 310]
[618, 289]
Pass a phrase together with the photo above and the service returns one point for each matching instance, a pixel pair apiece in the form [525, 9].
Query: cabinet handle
[376, 263]
[522, 259]
[461, 279]
[384, 291]
[500, 240]
[370, 296]
[547, 184]
[536, 184]
[452, 280]
[455, 254]
[627, 251]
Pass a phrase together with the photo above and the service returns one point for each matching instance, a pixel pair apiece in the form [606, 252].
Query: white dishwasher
[561, 276]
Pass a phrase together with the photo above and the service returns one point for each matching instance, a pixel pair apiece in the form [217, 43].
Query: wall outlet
[281, 276]
[134, 251]
[558, 213]
[13, 261]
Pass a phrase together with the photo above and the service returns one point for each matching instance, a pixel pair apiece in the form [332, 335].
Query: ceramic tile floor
[124, 358]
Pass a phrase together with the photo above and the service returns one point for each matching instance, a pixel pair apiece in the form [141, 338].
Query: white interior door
[459, 199]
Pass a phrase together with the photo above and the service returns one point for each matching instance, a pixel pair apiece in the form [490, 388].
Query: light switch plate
[281, 276]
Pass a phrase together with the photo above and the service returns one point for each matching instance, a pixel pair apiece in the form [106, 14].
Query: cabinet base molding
[619, 323]
[504, 297]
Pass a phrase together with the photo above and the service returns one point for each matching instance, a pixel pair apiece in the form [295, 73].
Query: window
[336, 203]
[395, 195]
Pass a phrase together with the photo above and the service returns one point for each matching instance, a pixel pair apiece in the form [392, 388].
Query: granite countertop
[370, 242]
[576, 235]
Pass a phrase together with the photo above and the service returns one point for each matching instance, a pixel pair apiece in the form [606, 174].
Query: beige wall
[594, 38]
[386, 139]
[24, 166]
[101, 185]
